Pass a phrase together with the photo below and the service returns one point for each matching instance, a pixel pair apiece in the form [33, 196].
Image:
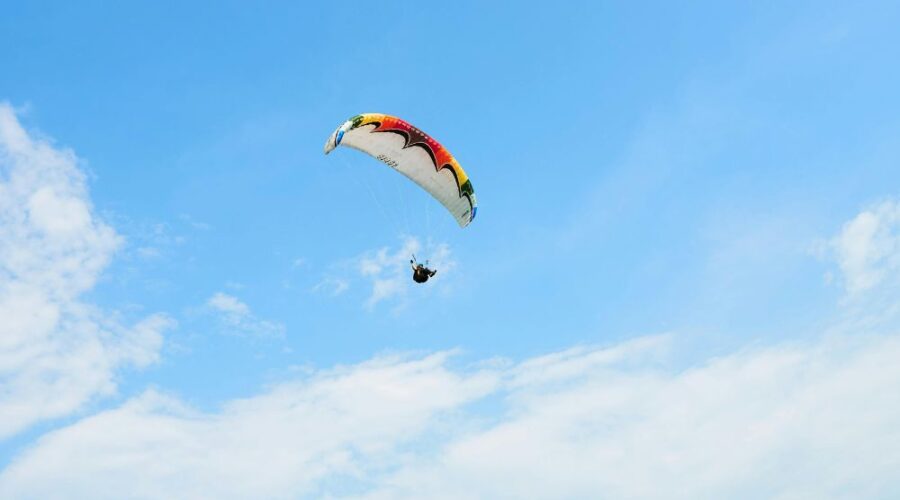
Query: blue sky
[666, 193]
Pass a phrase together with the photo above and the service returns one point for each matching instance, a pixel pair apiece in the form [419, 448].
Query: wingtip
[329, 145]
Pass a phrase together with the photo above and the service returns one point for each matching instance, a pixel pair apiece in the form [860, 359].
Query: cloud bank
[815, 420]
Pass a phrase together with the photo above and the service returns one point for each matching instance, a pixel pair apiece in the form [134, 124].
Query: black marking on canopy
[415, 137]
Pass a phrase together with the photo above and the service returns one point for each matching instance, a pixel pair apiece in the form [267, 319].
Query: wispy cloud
[193, 223]
[56, 351]
[234, 285]
[385, 272]
[331, 286]
[388, 271]
[236, 317]
[147, 240]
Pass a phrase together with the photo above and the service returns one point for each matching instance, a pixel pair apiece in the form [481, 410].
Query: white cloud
[807, 421]
[819, 420]
[228, 304]
[237, 317]
[868, 248]
[56, 352]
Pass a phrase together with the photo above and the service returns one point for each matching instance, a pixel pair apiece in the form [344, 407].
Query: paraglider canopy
[413, 153]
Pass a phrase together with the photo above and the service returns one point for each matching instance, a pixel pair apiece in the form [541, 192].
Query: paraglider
[421, 273]
[416, 155]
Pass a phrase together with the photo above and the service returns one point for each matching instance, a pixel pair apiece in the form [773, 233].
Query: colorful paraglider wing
[414, 154]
